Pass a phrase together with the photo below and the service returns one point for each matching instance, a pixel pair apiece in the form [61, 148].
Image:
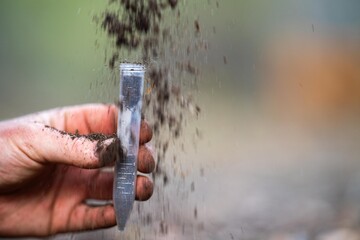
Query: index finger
[85, 119]
[93, 118]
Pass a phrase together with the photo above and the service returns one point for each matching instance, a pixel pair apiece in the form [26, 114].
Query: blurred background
[278, 154]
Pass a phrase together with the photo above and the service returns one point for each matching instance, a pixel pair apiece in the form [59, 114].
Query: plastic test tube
[130, 101]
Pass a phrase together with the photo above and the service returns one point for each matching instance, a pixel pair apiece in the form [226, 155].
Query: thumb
[49, 145]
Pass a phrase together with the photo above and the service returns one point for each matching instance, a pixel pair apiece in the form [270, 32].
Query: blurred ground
[279, 151]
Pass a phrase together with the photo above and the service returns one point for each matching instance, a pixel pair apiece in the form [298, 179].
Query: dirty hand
[46, 175]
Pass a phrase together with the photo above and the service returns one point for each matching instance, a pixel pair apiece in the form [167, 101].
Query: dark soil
[107, 153]
[197, 26]
[92, 136]
[147, 25]
[110, 153]
[140, 24]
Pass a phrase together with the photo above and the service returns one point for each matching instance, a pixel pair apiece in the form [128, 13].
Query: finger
[48, 145]
[101, 186]
[84, 217]
[93, 118]
[144, 188]
[146, 162]
[90, 118]
[145, 132]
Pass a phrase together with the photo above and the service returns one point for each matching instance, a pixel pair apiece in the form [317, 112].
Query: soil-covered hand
[46, 174]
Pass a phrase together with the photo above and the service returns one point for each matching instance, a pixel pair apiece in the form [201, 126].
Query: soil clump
[108, 153]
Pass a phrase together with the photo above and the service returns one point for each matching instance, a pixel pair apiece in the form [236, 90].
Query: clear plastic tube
[130, 101]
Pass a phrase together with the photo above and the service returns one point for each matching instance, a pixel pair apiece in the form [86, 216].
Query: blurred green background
[49, 57]
[279, 120]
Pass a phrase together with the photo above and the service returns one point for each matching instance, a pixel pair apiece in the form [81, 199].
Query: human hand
[46, 175]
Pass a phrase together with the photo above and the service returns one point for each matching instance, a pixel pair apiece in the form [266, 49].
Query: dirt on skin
[108, 153]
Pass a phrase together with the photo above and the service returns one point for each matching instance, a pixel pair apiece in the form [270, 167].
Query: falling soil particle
[148, 219]
[197, 26]
[151, 28]
[163, 228]
[225, 60]
[165, 179]
[140, 24]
